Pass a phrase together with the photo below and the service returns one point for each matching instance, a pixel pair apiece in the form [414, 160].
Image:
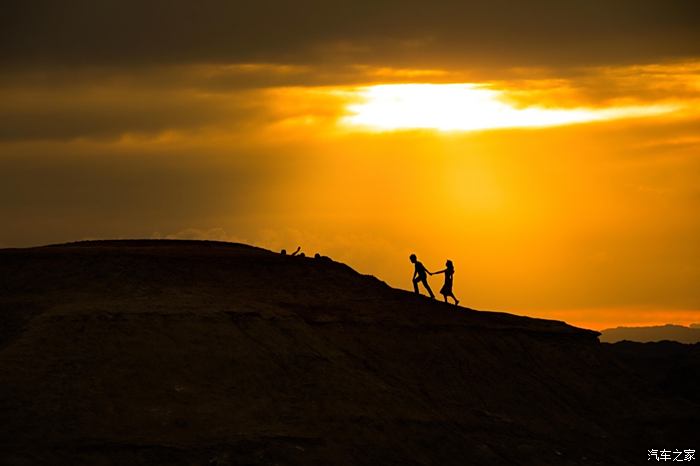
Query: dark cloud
[507, 32]
[55, 192]
[103, 108]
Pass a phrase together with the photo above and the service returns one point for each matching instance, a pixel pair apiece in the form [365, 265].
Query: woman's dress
[447, 287]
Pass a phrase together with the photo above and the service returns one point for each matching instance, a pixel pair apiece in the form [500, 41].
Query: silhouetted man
[420, 275]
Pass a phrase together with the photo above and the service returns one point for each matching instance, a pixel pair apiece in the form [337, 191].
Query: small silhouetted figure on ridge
[284, 251]
[446, 289]
[420, 276]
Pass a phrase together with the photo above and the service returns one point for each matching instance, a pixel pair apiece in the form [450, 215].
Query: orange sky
[562, 188]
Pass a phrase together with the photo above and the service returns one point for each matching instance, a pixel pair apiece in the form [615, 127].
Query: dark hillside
[670, 367]
[205, 353]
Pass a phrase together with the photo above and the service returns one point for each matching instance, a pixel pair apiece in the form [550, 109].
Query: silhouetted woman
[446, 289]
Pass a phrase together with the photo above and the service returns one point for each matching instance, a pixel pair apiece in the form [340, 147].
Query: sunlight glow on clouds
[594, 224]
[467, 107]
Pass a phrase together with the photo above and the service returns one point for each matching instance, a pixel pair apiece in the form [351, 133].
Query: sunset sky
[550, 149]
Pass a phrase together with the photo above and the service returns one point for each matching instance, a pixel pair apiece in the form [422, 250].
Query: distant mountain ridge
[670, 332]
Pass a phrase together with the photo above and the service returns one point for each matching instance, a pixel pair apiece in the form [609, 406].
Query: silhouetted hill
[205, 353]
[668, 332]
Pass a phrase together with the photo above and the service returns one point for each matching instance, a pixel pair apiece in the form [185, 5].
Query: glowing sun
[465, 107]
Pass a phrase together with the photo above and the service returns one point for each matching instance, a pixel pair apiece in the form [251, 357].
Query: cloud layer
[444, 32]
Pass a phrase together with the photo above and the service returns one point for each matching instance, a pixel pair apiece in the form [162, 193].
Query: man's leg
[427, 287]
[415, 285]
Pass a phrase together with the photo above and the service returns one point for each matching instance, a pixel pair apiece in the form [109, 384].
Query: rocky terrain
[205, 353]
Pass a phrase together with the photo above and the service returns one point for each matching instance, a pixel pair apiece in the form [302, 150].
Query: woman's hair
[450, 265]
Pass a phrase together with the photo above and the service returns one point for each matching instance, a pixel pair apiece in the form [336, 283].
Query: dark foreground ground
[199, 353]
